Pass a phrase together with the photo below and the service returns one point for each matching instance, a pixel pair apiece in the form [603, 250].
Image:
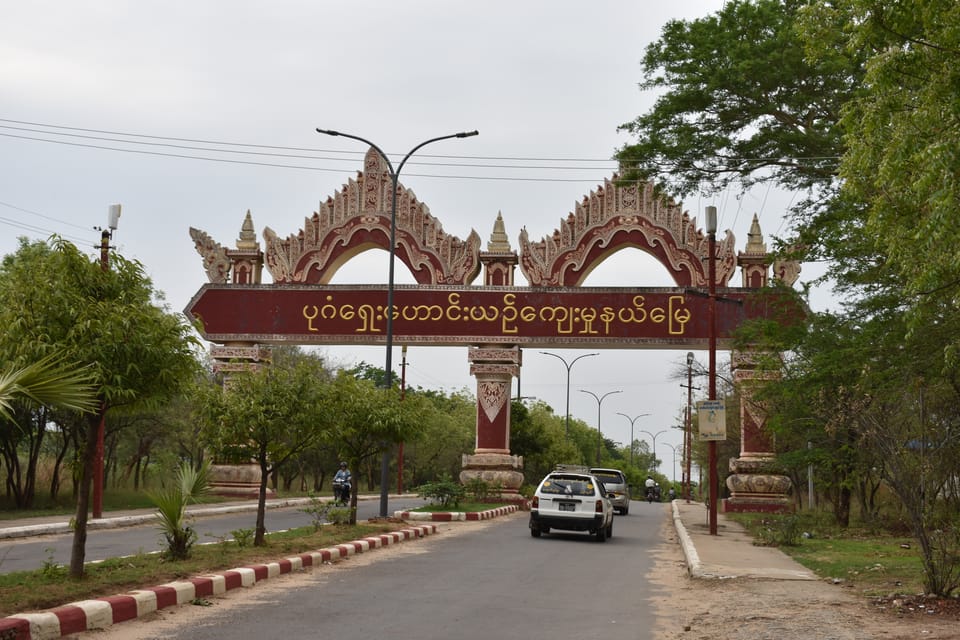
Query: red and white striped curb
[452, 516]
[103, 612]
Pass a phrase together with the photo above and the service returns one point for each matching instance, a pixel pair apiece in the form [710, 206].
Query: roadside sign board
[712, 420]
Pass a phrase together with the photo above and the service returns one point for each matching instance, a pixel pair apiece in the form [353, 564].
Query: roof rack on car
[572, 468]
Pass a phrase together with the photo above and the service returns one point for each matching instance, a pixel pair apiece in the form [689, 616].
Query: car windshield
[609, 478]
[567, 485]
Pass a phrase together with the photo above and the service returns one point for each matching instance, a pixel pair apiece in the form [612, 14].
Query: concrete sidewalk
[731, 553]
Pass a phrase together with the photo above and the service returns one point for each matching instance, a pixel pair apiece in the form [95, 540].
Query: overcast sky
[547, 83]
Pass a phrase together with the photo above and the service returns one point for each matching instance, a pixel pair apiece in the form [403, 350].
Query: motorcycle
[651, 494]
[341, 492]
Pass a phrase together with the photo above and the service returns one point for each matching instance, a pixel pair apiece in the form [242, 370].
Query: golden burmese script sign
[450, 315]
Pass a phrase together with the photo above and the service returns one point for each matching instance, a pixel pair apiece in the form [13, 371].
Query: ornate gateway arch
[497, 319]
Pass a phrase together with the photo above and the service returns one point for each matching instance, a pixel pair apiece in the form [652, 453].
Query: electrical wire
[17, 224]
[169, 140]
[293, 166]
[41, 215]
[147, 144]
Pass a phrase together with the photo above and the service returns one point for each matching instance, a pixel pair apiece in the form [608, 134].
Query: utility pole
[113, 216]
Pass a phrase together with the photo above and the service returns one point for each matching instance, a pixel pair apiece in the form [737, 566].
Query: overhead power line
[244, 148]
[295, 166]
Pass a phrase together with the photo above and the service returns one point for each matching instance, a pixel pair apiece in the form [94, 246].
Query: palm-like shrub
[172, 504]
[48, 381]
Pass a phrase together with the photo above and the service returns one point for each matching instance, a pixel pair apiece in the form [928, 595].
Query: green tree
[54, 298]
[268, 415]
[365, 420]
[448, 430]
[903, 132]
[741, 102]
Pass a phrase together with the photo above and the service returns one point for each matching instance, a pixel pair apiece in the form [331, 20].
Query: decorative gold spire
[499, 243]
[755, 244]
[248, 237]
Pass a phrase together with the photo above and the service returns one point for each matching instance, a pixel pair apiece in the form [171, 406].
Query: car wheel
[610, 529]
[602, 534]
[534, 532]
[626, 510]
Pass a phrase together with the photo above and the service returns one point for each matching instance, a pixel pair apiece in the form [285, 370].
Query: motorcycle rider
[342, 484]
[649, 484]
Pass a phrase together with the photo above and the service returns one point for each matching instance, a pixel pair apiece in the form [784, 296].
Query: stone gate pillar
[754, 487]
[237, 480]
[494, 368]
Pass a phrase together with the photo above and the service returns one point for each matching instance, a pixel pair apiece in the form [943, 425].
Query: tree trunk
[259, 536]
[843, 506]
[57, 465]
[79, 548]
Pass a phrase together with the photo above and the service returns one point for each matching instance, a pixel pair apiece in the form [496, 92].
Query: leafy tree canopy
[740, 103]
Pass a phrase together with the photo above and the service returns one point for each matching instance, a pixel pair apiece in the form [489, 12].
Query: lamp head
[711, 215]
[467, 134]
[113, 216]
[689, 358]
[329, 132]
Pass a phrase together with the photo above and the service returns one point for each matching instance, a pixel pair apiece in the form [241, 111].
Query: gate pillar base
[754, 489]
[236, 481]
[495, 469]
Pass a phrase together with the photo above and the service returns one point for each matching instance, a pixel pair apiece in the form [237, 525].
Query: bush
[319, 510]
[785, 530]
[339, 515]
[243, 537]
[190, 484]
[479, 490]
[444, 493]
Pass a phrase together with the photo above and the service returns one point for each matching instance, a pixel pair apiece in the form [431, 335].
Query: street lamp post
[568, 366]
[688, 431]
[674, 450]
[632, 420]
[711, 219]
[599, 400]
[106, 235]
[394, 179]
[653, 436]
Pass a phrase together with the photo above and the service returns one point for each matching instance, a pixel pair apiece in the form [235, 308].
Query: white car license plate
[567, 506]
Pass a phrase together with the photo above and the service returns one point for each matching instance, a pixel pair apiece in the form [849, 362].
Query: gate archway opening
[496, 320]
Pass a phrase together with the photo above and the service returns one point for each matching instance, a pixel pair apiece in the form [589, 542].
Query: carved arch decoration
[357, 218]
[618, 216]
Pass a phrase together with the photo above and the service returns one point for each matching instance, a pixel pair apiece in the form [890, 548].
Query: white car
[571, 501]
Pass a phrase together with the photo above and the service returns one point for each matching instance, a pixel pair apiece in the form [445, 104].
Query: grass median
[50, 586]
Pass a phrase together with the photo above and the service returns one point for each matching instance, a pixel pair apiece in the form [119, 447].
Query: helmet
[343, 465]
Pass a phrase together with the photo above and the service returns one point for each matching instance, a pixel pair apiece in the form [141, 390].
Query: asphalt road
[494, 581]
[32, 553]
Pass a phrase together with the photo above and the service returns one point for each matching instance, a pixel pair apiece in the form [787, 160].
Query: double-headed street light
[394, 178]
[599, 400]
[568, 366]
[711, 219]
[632, 420]
[653, 436]
[675, 452]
